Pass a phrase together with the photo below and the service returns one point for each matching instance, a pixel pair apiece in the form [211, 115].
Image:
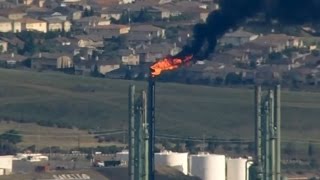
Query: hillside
[181, 109]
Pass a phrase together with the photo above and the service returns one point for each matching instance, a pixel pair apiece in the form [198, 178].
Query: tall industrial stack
[138, 136]
[267, 163]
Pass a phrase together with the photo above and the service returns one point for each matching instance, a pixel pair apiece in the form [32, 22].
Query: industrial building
[6, 165]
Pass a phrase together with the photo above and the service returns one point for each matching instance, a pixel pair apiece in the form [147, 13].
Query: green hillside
[181, 109]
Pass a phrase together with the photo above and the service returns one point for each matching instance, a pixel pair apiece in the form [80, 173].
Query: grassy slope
[50, 136]
[181, 109]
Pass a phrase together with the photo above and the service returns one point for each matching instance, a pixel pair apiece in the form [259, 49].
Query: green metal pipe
[266, 139]
[277, 118]
[131, 110]
[145, 137]
[257, 122]
[272, 136]
[138, 137]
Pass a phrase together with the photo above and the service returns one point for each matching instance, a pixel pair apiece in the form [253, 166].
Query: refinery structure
[142, 159]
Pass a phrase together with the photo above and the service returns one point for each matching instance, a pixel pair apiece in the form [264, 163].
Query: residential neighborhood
[90, 37]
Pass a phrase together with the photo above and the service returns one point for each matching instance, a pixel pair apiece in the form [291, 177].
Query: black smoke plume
[233, 12]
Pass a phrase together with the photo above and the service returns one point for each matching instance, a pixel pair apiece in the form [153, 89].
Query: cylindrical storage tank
[176, 160]
[208, 166]
[238, 169]
[123, 156]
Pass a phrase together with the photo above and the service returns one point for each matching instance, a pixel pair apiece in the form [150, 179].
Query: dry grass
[181, 109]
[48, 136]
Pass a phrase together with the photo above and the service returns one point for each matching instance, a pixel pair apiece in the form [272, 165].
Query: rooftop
[239, 33]
[111, 26]
[145, 27]
[15, 57]
[30, 20]
[4, 19]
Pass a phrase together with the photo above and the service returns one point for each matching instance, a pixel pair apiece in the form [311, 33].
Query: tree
[11, 136]
[88, 12]
[7, 148]
[191, 145]
[212, 146]
[289, 149]
[311, 149]
[314, 163]
[218, 80]
[143, 16]
[179, 147]
[233, 78]
[251, 147]
[315, 53]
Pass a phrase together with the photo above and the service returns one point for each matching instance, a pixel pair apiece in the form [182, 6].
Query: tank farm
[142, 159]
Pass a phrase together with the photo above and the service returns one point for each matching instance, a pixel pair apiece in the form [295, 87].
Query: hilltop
[92, 103]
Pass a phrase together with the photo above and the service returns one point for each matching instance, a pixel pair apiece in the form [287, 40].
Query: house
[106, 66]
[36, 12]
[84, 67]
[13, 14]
[72, 14]
[89, 41]
[92, 21]
[3, 46]
[278, 42]
[111, 13]
[13, 42]
[5, 24]
[7, 5]
[40, 3]
[136, 39]
[27, 2]
[162, 13]
[56, 15]
[12, 60]
[146, 29]
[126, 1]
[58, 25]
[129, 57]
[237, 38]
[153, 52]
[271, 73]
[52, 61]
[203, 16]
[111, 30]
[29, 24]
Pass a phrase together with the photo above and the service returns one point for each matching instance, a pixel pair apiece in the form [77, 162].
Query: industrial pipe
[277, 117]
[151, 125]
[257, 122]
[131, 107]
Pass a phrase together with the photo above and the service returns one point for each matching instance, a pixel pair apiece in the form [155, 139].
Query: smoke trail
[233, 12]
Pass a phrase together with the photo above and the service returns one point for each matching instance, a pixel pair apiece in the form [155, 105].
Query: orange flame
[167, 64]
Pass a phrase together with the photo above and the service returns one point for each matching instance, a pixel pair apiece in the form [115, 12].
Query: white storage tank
[123, 156]
[238, 169]
[208, 166]
[176, 160]
[6, 164]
